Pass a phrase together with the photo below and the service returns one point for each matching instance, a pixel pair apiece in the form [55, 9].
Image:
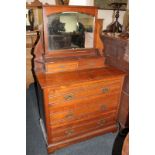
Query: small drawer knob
[105, 90]
[69, 97]
[103, 107]
[69, 132]
[101, 122]
[70, 115]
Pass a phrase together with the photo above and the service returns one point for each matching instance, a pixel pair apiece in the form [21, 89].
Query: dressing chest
[80, 94]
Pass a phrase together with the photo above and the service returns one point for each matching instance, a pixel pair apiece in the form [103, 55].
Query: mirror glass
[70, 30]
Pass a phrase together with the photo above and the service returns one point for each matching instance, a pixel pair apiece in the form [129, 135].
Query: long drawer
[62, 95]
[61, 114]
[82, 126]
[76, 64]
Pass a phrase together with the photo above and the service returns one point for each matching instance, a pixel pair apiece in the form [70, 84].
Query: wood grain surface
[81, 95]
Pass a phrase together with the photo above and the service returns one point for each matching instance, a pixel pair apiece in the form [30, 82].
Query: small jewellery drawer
[61, 67]
[79, 93]
[91, 63]
[83, 109]
[81, 127]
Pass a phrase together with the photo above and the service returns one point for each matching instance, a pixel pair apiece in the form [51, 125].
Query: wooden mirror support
[42, 53]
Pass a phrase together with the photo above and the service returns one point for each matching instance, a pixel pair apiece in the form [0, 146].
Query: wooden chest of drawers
[80, 104]
[80, 94]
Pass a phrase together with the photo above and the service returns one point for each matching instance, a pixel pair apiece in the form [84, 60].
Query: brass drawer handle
[69, 132]
[69, 97]
[101, 122]
[105, 90]
[70, 115]
[103, 107]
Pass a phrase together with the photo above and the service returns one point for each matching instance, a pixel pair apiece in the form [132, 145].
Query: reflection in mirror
[70, 30]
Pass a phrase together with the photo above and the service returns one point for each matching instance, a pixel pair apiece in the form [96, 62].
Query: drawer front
[91, 63]
[61, 67]
[81, 127]
[79, 93]
[78, 64]
[94, 101]
[82, 110]
[64, 114]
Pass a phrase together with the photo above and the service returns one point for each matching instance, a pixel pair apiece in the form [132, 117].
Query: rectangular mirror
[70, 30]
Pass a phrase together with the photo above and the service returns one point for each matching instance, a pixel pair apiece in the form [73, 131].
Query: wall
[81, 2]
[70, 22]
[107, 16]
[37, 17]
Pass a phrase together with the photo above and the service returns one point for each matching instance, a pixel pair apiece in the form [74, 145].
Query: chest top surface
[78, 77]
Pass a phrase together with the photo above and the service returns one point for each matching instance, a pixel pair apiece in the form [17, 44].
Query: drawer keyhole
[69, 116]
[105, 90]
[62, 66]
[103, 107]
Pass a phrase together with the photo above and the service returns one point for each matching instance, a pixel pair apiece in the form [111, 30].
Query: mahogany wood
[98, 42]
[81, 95]
[74, 63]
[54, 146]
[90, 100]
[83, 128]
[74, 122]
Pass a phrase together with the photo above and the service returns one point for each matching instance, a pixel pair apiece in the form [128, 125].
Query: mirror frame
[49, 10]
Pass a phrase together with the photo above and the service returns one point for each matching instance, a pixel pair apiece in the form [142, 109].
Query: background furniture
[104, 4]
[120, 145]
[31, 38]
[80, 95]
[117, 54]
[125, 150]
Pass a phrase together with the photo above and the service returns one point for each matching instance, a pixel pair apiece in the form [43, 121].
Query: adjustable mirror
[69, 30]
[69, 33]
